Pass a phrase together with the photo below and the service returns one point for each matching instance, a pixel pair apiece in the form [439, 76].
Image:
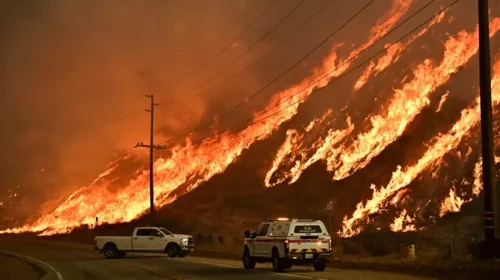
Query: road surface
[64, 261]
[16, 268]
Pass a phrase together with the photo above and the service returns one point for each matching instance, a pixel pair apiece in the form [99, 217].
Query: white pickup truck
[145, 239]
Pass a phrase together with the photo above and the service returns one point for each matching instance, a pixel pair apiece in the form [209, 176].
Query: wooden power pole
[151, 147]
[486, 129]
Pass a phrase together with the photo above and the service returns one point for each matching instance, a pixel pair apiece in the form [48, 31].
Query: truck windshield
[165, 231]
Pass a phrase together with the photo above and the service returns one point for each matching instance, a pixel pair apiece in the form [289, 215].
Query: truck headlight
[184, 241]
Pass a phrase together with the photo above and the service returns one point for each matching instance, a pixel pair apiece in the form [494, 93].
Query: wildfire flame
[392, 55]
[287, 152]
[406, 104]
[403, 223]
[199, 162]
[453, 202]
[442, 144]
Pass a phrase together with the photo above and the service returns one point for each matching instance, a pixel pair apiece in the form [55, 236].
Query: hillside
[394, 153]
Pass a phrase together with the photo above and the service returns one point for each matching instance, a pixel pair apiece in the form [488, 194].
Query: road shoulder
[14, 267]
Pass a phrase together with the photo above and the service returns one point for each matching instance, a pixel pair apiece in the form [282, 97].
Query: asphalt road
[16, 268]
[63, 261]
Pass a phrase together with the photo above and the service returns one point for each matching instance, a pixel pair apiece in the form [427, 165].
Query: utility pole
[486, 129]
[151, 147]
[329, 208]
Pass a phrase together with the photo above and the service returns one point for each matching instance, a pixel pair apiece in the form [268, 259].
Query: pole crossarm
[156, 146]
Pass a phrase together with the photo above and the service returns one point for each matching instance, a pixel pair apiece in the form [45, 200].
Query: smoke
[74, 73]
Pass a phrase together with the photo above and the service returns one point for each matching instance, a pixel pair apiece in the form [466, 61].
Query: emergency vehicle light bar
[278, 219]
[288, 219]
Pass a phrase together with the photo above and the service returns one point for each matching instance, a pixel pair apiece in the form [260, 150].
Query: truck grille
[190, 241]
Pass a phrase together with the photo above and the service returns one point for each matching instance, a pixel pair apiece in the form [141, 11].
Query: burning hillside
[345, 143]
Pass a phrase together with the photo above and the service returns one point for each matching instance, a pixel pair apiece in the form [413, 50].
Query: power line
[282, 74]
[122, 118]
[230, 42]
[330, 82]
[304, 24]
[248, 49]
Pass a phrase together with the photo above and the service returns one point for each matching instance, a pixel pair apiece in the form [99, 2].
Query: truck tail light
[287, 246]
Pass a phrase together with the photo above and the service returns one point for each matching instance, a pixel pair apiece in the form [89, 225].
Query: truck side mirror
[159, 234]
[246, 234]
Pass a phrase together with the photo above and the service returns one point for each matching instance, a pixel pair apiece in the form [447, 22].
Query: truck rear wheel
[320, 265]
[172, 250]
[110, 251]
[278, 263]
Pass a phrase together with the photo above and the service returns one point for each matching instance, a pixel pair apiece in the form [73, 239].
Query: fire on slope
[297, 152]
[292, 145]
[405, 105]
[321, 149]
[454, 201]
[199, 162]
[442, 144]
[392, 55]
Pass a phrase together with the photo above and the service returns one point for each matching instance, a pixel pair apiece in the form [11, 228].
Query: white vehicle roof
[293, 227]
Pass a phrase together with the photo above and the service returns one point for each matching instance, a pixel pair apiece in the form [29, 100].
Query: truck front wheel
[248, 261]
[172, 250]
[110, 251]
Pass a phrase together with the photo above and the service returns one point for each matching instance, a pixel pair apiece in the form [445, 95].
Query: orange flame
[442, 145]
[406, 104]
[392, 55]
[190, 165]
[403, 223]
[374, 68]
[321, 148]
[453, 202]
[288, 147]
[442, 101]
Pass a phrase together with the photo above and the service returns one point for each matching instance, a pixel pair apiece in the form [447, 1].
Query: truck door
[261, 240]
[143, 239]
[158, 242]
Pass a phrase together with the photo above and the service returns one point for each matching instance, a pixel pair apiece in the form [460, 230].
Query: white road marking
[58, 275]
[237, 267]
[217, 264]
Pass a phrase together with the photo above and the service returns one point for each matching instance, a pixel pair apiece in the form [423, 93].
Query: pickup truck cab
[147, 240]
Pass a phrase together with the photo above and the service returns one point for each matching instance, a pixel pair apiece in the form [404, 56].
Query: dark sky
[70, 69]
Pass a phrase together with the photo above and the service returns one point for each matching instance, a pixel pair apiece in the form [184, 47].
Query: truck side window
[263, 230]
[258, 230]
[156, 233]
[144, 232]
